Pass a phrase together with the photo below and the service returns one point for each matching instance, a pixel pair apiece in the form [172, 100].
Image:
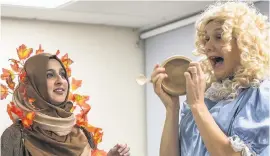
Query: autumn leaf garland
[80, 101]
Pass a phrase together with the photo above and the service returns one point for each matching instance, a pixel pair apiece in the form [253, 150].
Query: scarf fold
[53, 132]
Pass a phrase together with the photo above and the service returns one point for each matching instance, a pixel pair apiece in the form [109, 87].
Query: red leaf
[15, 66]
[16, 110]
[40, 50]
[22, 76]
[10, 83]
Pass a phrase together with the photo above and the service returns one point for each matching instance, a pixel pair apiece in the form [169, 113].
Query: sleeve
[6, 145]
[11, 142]
[250, 128]
[185, 109]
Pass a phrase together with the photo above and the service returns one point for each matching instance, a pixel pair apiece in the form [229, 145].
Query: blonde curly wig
[241, 21]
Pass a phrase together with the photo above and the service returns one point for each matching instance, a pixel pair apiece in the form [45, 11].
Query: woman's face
[223, 63]
[57, 83]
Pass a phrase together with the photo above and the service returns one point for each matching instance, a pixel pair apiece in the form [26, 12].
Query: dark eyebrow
[52, 70]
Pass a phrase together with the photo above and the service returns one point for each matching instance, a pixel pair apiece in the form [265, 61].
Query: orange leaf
[31, 100]
[98, 137]
[81, 120]
[15, 66]
[68, 72]
[24, 52]
[14, 60]
[81, 100]
[10, 82]
[92, 129]
[97, 133]
[9, 112]
[4, 91]
[66, 61]
[6, 74]
[75, 84]
[30, 115]
[26, 123]
[40, 50]
[28, 120]
[98, 152]
[16, 110]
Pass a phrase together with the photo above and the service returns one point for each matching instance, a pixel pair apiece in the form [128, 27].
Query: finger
[122, 147]
[154, 79]
[159, 82]
[156, 66]
[198, 67]
[127, 154]
[125, 151]
[192, 69]
[155, 74]
[114, 149]
[188, 78]
[193, 72]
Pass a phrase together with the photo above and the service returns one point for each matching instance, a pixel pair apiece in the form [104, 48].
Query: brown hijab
[53, 132]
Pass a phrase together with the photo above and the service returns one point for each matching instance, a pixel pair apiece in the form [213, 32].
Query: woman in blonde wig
[227, 108]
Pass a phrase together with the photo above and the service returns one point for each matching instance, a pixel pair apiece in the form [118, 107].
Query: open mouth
[216, 60]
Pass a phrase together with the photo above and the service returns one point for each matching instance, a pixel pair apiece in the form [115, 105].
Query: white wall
[107, 59]
[157, 49]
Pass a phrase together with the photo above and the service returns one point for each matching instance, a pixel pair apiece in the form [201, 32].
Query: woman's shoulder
[12, 131]
[11, 140]
[265, 87]
[251, 123]
[260, 95]
[255, 100]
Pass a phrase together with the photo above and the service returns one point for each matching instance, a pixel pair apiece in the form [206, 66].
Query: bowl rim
[175, 57]
[174, 93]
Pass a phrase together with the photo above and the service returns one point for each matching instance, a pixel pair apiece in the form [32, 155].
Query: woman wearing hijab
[54, 131]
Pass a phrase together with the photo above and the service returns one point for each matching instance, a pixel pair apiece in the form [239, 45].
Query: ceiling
[135, 14]
[143, 15]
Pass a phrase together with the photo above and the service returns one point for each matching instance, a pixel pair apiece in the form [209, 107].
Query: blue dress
[246, 118]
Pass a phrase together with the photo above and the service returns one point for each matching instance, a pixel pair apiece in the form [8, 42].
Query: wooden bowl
[175, 67]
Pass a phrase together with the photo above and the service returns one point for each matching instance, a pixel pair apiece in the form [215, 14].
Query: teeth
[213, 57]
[59, 90]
